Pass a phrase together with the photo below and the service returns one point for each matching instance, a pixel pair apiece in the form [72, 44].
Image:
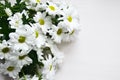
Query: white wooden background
[95, 55]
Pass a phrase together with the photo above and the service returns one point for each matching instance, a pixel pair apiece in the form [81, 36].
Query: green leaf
[4, 23]
[19, 7]
[31, 69]
[2, 11]
[47, 51]
[27, 21]
[28, 70]
[32, 13]
[33, 55]
[7, 4]
[55, 20]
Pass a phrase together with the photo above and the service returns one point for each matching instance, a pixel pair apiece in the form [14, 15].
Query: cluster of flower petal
[28, 49]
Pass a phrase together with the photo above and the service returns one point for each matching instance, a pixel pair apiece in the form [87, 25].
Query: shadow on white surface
[96, 55]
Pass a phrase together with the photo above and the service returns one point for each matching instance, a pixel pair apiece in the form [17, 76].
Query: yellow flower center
[38, 1]
[21, 39]
[10, 68]
[5, 50]
[59, 32]
[22, 57]
[72, 32]
[52, 8]
[41, 22]
[50, 67]
[17, 22]
[69, 18]
[36, 34]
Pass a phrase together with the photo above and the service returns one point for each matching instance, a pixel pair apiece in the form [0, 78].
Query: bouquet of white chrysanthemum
[29, 32]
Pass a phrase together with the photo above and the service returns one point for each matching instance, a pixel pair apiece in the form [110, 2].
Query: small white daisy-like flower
[23, 38]
[39, 37]
[21, 59]
[5, 50]
[40, 7]
[57, 33]
[58, 56]
[15, 21]
[11, 69]
[70, 19]
[52, 9]
[48, 69]
[43, 21]
[8, 11]
[70, 23]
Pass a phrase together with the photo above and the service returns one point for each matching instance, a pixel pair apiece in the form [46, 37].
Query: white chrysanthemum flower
[43, 21]
[5, 50]
[23, 38]
[52, 9]
[8, 11]
[70, 31]
[57, 33]
[39, 37]
[58, 56]
[21, 59]
[15, 21]
[70, 19]
[70, 24]
[48, 71]
[40, 7]
[11, 69]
